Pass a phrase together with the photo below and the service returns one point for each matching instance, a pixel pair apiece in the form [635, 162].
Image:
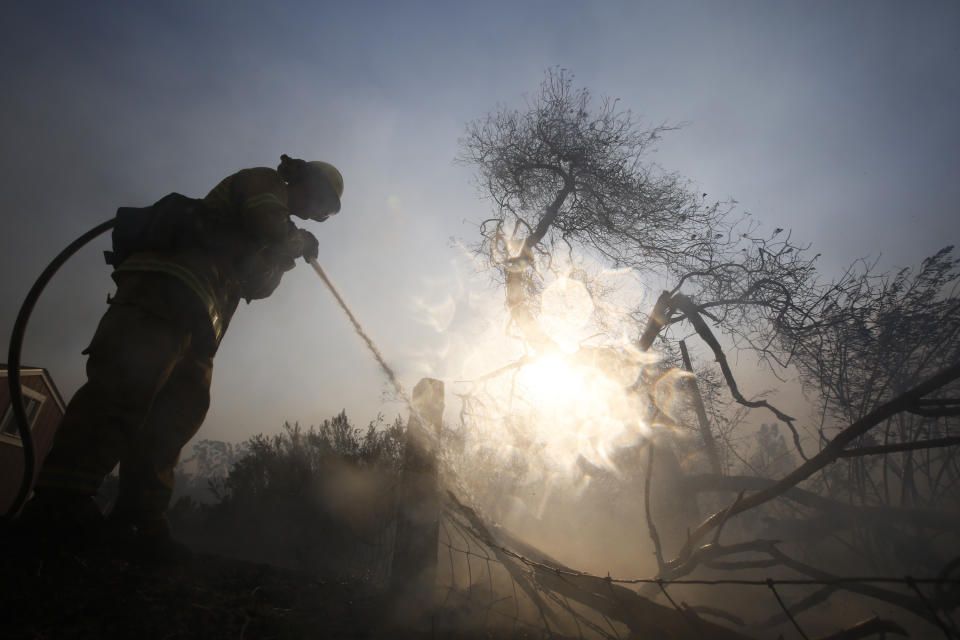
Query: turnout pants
[146, 395]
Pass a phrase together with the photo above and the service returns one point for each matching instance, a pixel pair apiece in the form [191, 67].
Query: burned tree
[569, 176]
[570, 173]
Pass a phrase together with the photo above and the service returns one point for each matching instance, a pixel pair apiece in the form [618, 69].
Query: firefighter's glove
[310, 248]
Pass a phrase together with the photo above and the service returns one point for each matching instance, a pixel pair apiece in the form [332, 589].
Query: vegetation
[319, 499]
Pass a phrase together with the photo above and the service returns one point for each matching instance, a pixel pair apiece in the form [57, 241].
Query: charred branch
[827, 455]
[662, 310]
[865, 629]
[642, 616]
[717, 613]
[651, 526]
[935, 443]
[684, 304]
[937, 408]
[709, 444]
[769, 547]
[812, 600]
[843, 514]
[786, 611]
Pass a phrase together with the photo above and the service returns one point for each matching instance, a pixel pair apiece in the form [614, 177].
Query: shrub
[321, 498]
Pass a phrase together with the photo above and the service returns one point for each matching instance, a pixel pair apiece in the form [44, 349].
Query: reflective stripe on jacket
[156, 264]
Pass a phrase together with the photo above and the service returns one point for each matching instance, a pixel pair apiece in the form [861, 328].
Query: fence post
[414, 567]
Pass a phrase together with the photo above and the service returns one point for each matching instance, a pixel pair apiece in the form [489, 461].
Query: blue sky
[834, 119]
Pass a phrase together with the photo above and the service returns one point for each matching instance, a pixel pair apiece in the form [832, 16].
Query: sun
[577, 401]
[550, 382]
[574, 410]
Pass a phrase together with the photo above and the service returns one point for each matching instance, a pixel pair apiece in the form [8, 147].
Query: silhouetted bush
[321, 498]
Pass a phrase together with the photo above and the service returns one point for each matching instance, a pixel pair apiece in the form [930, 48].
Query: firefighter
[151, 358]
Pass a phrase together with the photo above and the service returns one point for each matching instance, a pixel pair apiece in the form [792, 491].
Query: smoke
[554, 450]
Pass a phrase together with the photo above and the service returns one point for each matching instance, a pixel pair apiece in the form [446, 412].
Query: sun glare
[565, 308]
[573, 409]
[551, 382]
[539, 416]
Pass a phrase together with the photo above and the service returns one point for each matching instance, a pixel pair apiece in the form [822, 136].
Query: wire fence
[490, 581]
[487, 581]
[491, 588]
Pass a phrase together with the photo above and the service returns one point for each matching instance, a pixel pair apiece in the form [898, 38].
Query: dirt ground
[97, 595]
[62, 595]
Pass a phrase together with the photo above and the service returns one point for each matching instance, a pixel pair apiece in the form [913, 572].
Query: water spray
[391, 376]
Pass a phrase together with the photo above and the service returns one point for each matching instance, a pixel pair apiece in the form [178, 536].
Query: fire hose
[20, 326]
[13, 360]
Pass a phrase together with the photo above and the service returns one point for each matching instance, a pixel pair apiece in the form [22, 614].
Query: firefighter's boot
[61, 520]
[146, 541]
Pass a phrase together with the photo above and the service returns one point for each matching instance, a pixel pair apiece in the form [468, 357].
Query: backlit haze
[835, 120]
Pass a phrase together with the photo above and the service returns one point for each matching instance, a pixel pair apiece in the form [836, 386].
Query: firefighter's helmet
[322, 180]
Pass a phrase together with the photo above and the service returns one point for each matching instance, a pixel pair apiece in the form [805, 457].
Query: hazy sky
[836, 119]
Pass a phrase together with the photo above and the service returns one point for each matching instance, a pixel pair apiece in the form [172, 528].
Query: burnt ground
[101, 594]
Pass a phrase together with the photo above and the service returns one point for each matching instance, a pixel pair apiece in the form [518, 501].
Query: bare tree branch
[901, 446]
[642, 616]
[812, 600]
[867, 628]
[662, 310]
[860, 515]
[683, 303]
[827, 455]
[786, 610]
[651, 526]
[709, 443]
[718, 613]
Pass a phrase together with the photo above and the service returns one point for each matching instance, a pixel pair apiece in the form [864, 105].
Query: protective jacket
[151, 358]
[241, 243]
